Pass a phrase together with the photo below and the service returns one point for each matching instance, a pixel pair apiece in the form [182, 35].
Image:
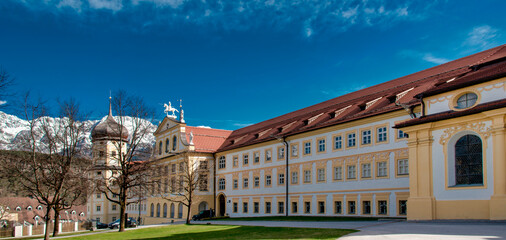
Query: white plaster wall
[488, 93]
[329, 187]
[439, 170]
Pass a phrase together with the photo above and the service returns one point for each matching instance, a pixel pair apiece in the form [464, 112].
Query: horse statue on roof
[169, 108]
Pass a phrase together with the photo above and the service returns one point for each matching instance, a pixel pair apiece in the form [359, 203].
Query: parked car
[203, 214]
[131, 222]
[100, 224]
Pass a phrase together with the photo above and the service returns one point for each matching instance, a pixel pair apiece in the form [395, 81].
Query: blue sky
[233, 63]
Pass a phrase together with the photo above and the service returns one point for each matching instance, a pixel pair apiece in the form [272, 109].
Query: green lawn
[201, 232]
[299, 218]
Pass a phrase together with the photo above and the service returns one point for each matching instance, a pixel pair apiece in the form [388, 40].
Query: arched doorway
[203, 206]
[221, 204]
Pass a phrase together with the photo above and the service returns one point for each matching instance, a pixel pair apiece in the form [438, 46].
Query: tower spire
[110, 105]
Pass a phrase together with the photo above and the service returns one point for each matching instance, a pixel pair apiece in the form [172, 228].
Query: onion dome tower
[109, 129]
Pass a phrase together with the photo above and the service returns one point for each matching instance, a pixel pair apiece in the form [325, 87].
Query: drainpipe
[287, 147]
[214, 183]
[287, 151]
[423, 105]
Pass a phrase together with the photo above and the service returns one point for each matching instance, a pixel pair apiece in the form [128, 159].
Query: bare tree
[52, 170]
[132, 168]
[5, 82]
[193, 175]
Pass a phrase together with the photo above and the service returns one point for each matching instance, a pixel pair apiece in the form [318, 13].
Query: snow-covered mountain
[13, 128]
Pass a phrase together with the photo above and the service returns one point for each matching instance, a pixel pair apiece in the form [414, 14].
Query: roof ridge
[499, 48]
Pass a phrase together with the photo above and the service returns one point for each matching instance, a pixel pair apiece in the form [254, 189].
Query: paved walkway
[396, 230]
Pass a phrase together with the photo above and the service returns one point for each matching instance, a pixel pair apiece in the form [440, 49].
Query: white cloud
[326, 17]
[202, 126]
[2, 102]
[482, 37]
[114, 5]
[437, 60]
[242, 124]
[428, 57]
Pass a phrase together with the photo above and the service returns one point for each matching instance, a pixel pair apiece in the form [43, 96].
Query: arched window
[174, 143]
[160, 148]
[180, 210]
[165, 210]
[468, 160]
[172, 210]
[152, 212]
[167, 144]
[158, 210]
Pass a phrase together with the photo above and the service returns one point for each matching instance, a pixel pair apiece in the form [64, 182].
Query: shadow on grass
[301, 218]
[254, 232]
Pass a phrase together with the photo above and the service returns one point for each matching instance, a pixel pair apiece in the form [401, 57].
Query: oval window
[467, 100]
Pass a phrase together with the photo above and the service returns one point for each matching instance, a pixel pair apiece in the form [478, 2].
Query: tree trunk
[56, 222]
[122, 221]
[189, 210]
[46, 234]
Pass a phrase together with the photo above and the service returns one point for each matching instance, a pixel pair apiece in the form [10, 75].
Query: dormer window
[18, 208]
[29, 208]
[39, 207]
[81, 214]
[466, 101]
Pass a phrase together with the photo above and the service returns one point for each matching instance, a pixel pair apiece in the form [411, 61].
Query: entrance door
[222, 205]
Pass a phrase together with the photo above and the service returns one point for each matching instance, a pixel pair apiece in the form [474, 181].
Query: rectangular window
[256, 207]
[382, 169]
[307, 148]
[221, 184]
[321, 145]
[236, 161]
[268, 180]
[321, 207]
[338, 142]
[294, 207]
[352, 172]
[281, 207]
[245, 183]
[366, 170]
[351, 140]
[403, 207]
[99, 208]
[338, 207]
[295, 150]
[382, 207]
[321, 174]
[401, 134]
[99, 195]
[221, 164]
[366, 207]
[268, 155]
[236, 184]
[338, 173]
[307, 176]
[351, 207]
[267, 207]
[257, 182]
[307, 207]
[402, 167]
[295, 177]
[245, 159]
[245, 207]
[281, 152]
[114, 207]
[235, 207]
[256, 157]
[113, 219]
[366, 137]
[281, 179]
[382, 134]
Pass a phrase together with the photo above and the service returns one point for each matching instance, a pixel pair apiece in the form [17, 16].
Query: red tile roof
[325, 114]
[207, 139]
[29, 215]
